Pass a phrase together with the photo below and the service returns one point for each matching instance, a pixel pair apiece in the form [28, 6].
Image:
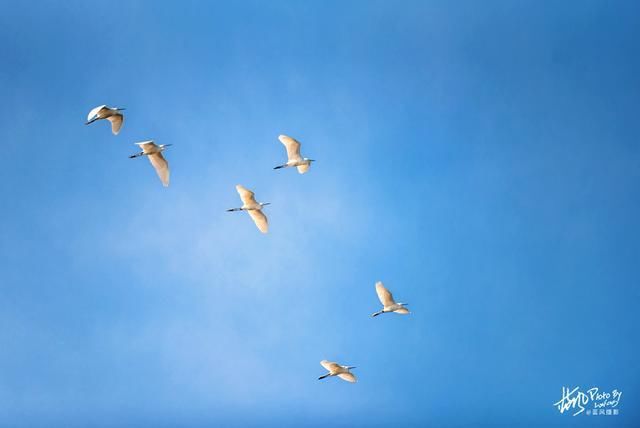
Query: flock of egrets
[249, 204]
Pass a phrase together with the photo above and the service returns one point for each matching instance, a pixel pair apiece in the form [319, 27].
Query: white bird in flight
[293, 155]
[154, 153]
[389, 305]
[254, 208]
[336, 369]
[112, 114]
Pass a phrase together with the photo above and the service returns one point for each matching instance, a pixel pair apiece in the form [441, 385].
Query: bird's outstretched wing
[148, 146]
[330, 365]
[303, 168]
[116, 122]
[349, 377]
[260, 220]
[161, 166]
[246, 195]
[293, 148]
[385, 296]
[95, 111]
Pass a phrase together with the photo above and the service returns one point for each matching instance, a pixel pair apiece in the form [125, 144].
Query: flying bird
[254, 208]
[154, 153]
[112, 114]
[336, 369]
[293, 155]
[389, 305]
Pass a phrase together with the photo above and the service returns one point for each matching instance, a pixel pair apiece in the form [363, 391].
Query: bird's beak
[351, 367]
[266, 203]
[167, 145]
[120, 109]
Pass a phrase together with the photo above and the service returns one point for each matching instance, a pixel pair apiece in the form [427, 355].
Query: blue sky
[480, 158]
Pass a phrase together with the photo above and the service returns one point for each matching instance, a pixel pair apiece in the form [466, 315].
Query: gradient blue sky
[480, 158]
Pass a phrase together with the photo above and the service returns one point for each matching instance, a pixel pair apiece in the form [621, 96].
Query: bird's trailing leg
[234, 209]
[136, 155]
[280, 166]
[91, 121]
[323, 376]
[377, 313]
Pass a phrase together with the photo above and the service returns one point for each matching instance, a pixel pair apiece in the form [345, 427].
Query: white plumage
[293, 155]
[388, 303]
[335, 369]
[112, 114]
[253, 207]
[159, 163]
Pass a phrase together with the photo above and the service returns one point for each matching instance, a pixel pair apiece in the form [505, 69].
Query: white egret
[253, 207]
[112, 114]
[154, 153]
[389, 305]
[336, 369]
[293, 155]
